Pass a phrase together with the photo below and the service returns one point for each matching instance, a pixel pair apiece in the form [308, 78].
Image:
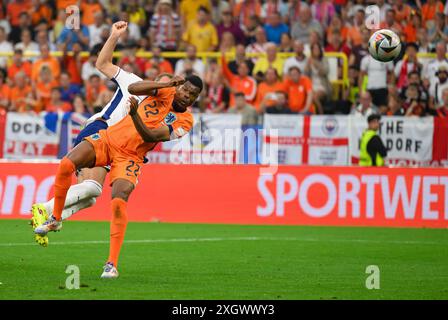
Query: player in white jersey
[90, 181]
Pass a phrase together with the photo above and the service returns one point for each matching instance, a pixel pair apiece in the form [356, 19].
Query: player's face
[185, 96]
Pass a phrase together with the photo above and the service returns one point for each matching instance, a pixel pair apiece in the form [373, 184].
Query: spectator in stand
[384, 7]
[27, 45]
[299, 89]
[414, 78]
[251, 30]
[94, 87]
[365, 107]
[355, 31]
[73, 64]
[70, 36]
[301, 29]
[323, 11]
[227, 43]
[43, 87]
[337, 44]
[24, 24]
[274, 6]
[242, 82]
[4, 93]
[136, 13]
[58, 25]
[18, 64]
[45, 60]
[429, 75]
[437, 86]
[240, 56]
[391, 22]
[442, 110]
[413, 105]
[411, 28]
[271, 60]
[5, 46]
[163, 65]
[189, 10]
[275, 103]
[271, 84]
[317, 69]
[403, 12]
[81, 108]
[244, 10]
[130, 57]
[429, 11]
[41, 11]
[165, 31]
[21, 94]
[202, 33]
[229, 25]
[56, 104]
[133, 30]
[299, 60]
[394, 107]
[337, 25]
[438, 32]
[218, 95]
[217, 10]
[197, 64]
[14, 9]
[248, 112]
[294, 7]
[423, 41]
[286, 44]
[407, 65]
[351, 92]
[260, 44]
[88, 10]
[377, 74]
[68, 89]
[88, 68]
[96, 29]
[274, 28]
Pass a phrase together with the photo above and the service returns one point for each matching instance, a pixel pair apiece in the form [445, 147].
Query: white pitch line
[180, 240]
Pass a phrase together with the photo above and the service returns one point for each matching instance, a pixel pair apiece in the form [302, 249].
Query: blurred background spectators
[293, 70]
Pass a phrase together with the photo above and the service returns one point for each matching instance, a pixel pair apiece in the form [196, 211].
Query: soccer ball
[384, 45]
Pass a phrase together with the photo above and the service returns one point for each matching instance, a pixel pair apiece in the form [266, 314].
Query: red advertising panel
[345, 196]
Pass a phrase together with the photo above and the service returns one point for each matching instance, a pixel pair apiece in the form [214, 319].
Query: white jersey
[116, 109]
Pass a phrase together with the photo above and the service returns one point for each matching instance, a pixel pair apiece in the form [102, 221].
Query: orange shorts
[122, 165]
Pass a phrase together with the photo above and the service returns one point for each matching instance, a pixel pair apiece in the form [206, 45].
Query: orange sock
[61, 185]
[117, 229]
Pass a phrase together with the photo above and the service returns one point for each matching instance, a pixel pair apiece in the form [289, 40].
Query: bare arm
[148, 135]
[147, 87]
[104, 61]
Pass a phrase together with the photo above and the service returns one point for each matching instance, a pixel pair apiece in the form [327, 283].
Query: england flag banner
[284, 133]
[326, 140]
[409, 140]
[31, 136]
[214, 139]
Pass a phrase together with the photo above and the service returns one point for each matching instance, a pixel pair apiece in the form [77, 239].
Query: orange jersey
[246, 85]
[152, 111]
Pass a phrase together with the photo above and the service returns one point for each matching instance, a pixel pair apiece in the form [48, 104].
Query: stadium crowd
[34, 80]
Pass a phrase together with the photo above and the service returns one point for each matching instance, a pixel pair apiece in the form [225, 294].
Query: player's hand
[132, 105]
[118, 28]
[176, 81]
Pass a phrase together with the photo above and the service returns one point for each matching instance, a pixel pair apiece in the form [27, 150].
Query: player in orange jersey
[123, 146]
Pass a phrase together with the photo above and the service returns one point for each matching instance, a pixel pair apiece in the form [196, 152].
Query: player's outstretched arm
[148, 88]
[104, 62]
[148, 135]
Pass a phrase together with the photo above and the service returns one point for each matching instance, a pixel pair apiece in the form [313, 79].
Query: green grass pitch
[193, 261]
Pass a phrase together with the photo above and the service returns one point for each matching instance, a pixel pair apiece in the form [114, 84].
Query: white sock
[76, 193]
[68, 212]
